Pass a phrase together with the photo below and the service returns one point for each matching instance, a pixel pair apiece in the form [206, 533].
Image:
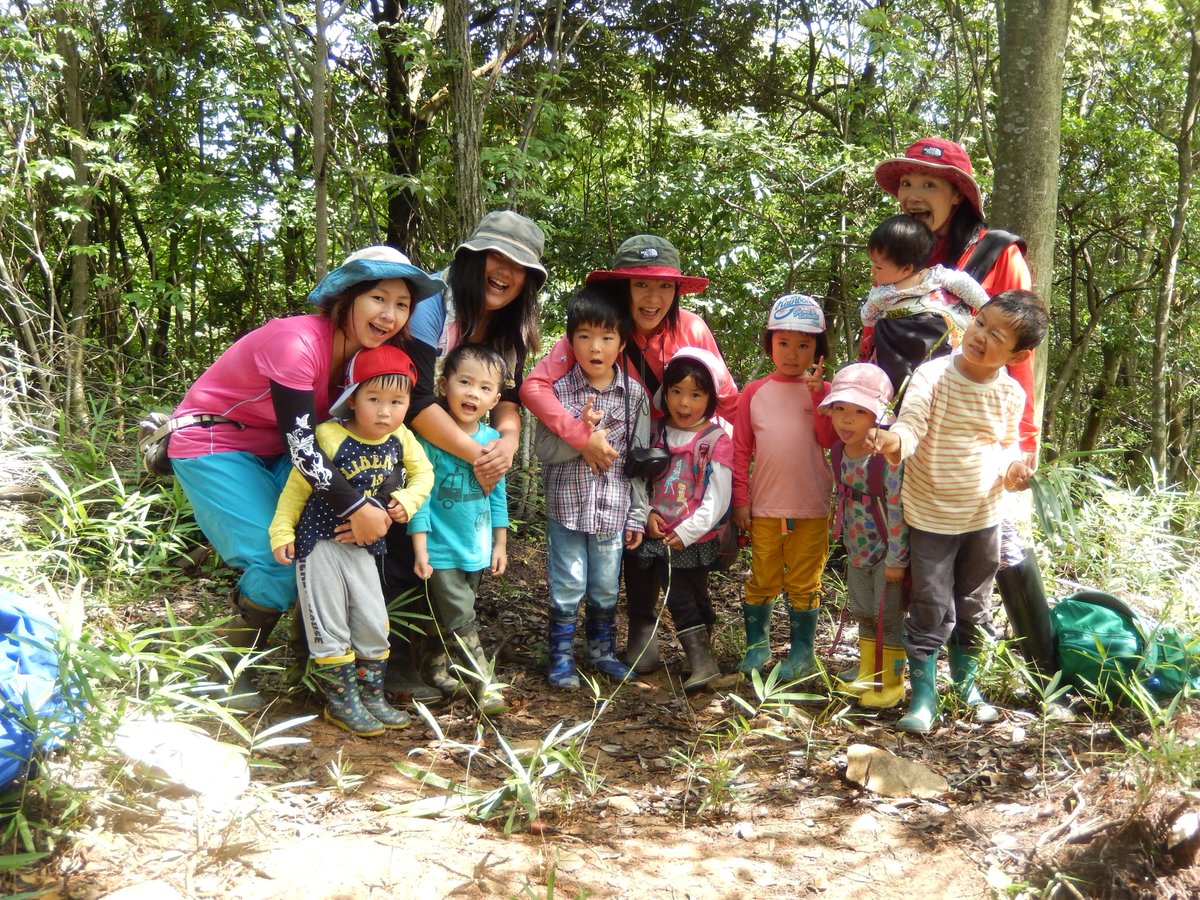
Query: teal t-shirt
[458, 516]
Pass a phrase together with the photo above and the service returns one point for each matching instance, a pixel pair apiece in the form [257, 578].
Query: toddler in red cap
[345, 617]
[870, 521]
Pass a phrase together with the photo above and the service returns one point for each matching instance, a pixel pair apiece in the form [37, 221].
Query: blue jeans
[233, 497]
[582, 564]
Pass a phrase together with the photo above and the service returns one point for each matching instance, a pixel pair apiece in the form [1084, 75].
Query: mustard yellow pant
[787, 559]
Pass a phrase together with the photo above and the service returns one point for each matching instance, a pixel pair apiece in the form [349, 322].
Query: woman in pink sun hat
[648, 280]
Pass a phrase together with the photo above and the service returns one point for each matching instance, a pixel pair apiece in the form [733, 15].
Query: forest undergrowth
[120, 563]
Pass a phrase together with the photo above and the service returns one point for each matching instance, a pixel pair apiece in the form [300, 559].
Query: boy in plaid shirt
[591, 517]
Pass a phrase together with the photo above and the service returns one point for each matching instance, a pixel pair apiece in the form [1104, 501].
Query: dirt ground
[690, 797]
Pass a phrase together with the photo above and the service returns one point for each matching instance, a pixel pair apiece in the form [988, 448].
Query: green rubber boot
[964, 668]
[478, 670]
[800, 662]
[758, 636]
[922, 708]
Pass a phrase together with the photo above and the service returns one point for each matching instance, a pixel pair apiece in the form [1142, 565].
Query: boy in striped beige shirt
[958, 431]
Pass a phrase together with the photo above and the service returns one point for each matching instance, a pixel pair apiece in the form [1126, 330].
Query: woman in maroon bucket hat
[646, 278]
[934, 182]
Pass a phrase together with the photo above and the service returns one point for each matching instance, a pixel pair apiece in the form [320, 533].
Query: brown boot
[247, 631]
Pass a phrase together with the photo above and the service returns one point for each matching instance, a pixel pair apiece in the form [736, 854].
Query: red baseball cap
[367, 364]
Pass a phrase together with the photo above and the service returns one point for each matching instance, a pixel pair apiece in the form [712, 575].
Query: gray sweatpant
[952, 578]
[341, 603]
[864, 587]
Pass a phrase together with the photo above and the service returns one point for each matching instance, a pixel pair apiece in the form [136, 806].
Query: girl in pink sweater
[782, 484]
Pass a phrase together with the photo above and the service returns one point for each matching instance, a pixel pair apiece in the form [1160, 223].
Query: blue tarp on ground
[32, 711]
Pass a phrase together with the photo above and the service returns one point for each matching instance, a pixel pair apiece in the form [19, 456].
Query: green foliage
[533, 777]
[109, 676]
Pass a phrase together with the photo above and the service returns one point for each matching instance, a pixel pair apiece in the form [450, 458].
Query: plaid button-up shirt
[608, 503]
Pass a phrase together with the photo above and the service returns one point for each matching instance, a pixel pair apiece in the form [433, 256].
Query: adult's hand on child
[367, 524]
[656, 526]
[598, 452]
[894, 574]
[742, 517]
[495, 460]
[633, 539]
[285, 554]
[815, 377]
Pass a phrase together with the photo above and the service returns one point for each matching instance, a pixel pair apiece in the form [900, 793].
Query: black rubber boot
[698, 647]
[403, 679]
[1024, 600]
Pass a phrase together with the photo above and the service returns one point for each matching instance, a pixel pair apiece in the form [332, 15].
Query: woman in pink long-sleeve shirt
[646, 271]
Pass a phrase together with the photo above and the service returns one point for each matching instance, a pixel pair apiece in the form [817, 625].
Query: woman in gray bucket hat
[250, 418]
[492, 299]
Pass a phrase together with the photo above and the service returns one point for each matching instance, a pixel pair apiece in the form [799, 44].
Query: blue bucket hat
[375, 264]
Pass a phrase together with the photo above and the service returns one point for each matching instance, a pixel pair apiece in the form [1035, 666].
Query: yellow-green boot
[889, 691]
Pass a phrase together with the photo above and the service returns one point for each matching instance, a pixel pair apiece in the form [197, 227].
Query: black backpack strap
[650, 381]
[988, 249]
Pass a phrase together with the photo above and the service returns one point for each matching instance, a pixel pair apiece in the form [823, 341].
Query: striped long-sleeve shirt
[959, 438]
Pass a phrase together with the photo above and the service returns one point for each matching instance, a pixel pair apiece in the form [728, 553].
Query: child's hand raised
[591, 416]
[815, 377]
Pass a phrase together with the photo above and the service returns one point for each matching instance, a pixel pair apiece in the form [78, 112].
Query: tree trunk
[1033, 38]
[75, 401]
[321, 138]
[405, 125]
[1166, 294]
[467, 117]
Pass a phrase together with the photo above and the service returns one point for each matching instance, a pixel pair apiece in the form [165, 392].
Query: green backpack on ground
[1104, 648]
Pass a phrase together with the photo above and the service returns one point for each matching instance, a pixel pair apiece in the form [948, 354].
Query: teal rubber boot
[758, 636]
[800, 662]
[964, 668]
[922, 707]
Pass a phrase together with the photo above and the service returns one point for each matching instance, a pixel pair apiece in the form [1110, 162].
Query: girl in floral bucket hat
[251, 416]
[869, 519]
[647, 279]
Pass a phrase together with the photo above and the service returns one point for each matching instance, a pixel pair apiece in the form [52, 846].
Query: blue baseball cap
[375, 264]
